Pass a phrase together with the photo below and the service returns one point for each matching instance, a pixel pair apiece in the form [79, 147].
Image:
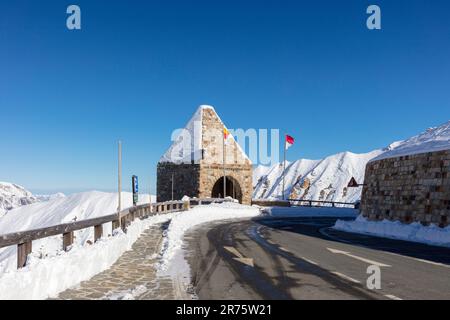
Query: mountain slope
[327, 179]
[13, 196]
[433, 139]
[324, 179]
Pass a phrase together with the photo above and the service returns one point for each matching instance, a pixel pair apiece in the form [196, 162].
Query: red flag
[289, 141]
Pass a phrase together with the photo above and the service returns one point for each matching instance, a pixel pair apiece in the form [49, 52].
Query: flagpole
[284, 164]
[224, 177]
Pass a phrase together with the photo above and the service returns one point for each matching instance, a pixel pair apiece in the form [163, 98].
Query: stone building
[194, 163]
[409, 188]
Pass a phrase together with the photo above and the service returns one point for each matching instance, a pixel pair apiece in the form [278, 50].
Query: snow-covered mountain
[13, 196]
[325, 179]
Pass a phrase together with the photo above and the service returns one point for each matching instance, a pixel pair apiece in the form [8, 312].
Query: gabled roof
[187, 146]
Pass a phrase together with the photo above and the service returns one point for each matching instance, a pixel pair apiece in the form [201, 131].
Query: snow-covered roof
[187, 145]
[433, 139]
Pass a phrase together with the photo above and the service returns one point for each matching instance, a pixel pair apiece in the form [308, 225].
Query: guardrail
[309, 203]
[24, 239]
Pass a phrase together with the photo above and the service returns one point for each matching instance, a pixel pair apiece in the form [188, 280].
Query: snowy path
[133, 276]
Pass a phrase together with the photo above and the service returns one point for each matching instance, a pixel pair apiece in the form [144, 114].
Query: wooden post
[123, 223]
[115, 224]
[23, 250]
[98, 232]
[67, 240]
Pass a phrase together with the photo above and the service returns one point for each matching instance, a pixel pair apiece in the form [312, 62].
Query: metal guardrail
[24, 239]
[310, 203]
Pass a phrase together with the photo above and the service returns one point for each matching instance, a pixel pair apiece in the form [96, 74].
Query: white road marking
[418, 259]
[284, 249]
[343, 276]
[239, 257]
[348, 254]
[391, 296]
[310, 261]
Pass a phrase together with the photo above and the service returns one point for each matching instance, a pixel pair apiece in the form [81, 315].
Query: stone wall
[198, 180]
[186, 181]
[209, 174]
[414, 188]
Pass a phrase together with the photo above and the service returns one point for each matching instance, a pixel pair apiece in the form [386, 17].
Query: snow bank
[433, 139]
[76, 207]
[43, 278]
[416, 232]
[309, 212]
[173, 262]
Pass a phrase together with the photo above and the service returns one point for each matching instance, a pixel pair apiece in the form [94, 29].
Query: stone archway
[233, 189]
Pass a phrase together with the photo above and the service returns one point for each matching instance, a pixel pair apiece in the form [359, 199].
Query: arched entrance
[233, 189]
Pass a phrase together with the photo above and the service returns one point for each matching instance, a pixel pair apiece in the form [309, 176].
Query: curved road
[303, 258]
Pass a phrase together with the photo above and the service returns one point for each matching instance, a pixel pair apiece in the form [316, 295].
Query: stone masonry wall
[209, 174]
[186, 181]
[237, 165]
[197, 180]
[414, 188]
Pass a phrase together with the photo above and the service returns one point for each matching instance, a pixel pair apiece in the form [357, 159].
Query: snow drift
[416, 232]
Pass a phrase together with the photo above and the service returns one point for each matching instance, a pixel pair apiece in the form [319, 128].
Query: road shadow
[321, 227]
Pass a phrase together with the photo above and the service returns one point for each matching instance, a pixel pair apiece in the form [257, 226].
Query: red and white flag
[289, 142]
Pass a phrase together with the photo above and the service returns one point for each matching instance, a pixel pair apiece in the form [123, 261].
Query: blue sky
[137, 70]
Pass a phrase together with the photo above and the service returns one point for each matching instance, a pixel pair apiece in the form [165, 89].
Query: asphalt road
[303, 258]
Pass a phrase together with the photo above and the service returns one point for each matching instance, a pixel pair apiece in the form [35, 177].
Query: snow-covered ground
[173, 262]
[45, 277]
[76, 207]
[309, 212]
[51, 270]
[416, 232]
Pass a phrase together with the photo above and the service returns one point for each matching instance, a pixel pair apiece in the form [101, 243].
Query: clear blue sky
[139, 69]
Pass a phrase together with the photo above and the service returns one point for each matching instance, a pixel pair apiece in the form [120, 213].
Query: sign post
[135, 188]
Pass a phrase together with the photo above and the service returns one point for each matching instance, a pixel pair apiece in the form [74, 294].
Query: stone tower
[195, 162]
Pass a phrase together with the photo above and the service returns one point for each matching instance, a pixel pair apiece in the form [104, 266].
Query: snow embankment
[416, 232]
[310, 212]
[46, 277]
[50, 269]
[76, 207]
[173, 262]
